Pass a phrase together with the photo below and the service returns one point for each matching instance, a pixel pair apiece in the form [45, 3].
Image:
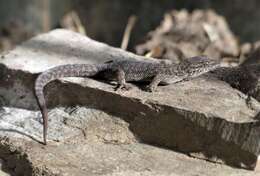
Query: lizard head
[198, 65]
[203, 63]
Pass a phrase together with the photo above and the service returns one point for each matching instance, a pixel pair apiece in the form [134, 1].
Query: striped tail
[75, 70]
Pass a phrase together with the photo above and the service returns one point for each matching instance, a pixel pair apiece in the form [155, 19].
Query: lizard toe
[149, 88]
[124, 87]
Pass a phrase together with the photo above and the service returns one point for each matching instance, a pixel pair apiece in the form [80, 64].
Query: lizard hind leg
[154, 83]
[121, 82]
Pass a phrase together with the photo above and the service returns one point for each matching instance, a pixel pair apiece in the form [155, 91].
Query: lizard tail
[75, 70]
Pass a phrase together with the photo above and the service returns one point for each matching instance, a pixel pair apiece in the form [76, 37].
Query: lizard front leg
[154, 83]
[120, 78]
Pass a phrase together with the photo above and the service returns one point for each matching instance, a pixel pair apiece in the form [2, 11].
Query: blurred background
[108, 21]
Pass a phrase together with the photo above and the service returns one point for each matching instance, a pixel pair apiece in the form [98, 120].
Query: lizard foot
[124, 87]
[150, 88]
[249, 102]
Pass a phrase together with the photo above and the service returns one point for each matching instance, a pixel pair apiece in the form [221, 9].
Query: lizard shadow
[140, 85]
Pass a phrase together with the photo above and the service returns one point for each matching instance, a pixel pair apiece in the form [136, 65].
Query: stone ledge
[84, 157]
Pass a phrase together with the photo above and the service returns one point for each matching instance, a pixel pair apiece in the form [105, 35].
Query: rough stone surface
[85, 157]
[96, 131]
[2, 169]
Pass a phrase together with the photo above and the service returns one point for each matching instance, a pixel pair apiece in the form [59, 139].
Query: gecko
[124, 71]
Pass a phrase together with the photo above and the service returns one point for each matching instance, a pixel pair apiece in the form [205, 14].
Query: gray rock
[96, 131]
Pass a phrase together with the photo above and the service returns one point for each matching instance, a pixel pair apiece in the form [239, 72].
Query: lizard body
[123, 71]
